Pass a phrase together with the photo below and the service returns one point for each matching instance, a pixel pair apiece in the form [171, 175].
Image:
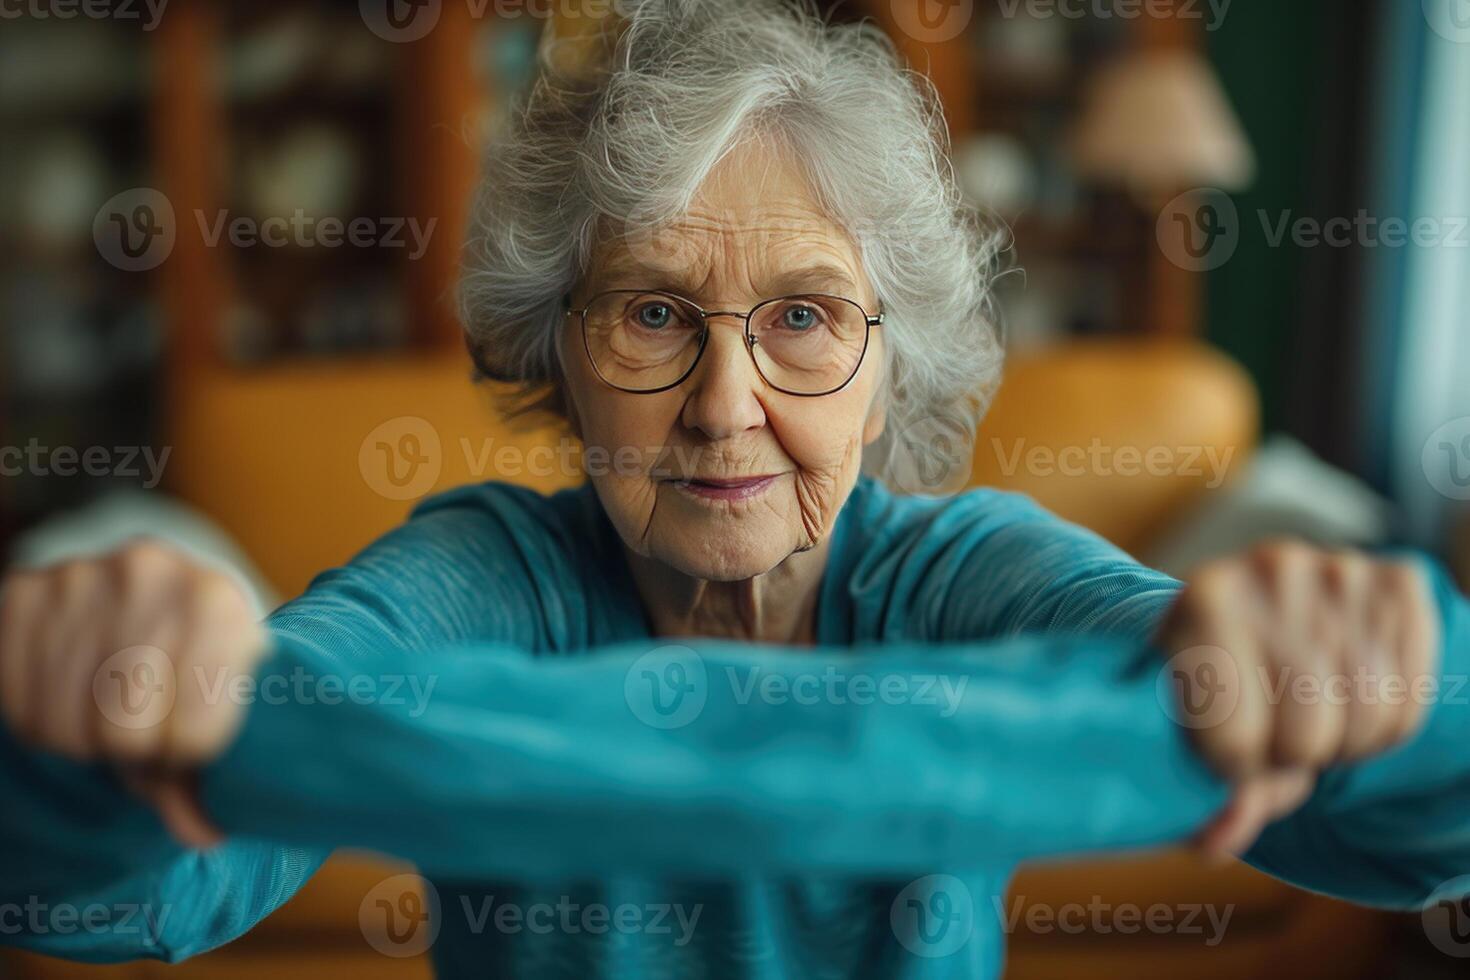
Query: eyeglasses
[646, 341]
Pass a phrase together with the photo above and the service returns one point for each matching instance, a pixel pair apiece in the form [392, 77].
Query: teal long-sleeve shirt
[479, 693]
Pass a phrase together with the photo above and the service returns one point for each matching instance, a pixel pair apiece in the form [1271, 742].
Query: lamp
[1158, 122]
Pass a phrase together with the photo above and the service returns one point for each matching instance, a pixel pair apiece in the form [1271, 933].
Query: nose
[724, 389]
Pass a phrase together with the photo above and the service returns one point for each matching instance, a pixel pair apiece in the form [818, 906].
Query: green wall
[1269, 55]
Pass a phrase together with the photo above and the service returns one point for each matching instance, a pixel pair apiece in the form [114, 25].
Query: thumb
[1255, 803]
[175, 797]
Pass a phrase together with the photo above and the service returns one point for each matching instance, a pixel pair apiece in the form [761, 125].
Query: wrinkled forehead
[754, 221]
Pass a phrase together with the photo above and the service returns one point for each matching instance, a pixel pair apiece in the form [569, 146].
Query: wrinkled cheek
[826, 470]
[624, 455]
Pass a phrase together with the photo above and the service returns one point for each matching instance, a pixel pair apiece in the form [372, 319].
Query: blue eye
[654, 316]
[799, 318]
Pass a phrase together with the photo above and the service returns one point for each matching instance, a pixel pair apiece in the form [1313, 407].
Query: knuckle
[1213, 585]
[1345, 572]
[75, 579]
[208, 594]
[1304, 745]
[216, 594]
[127, 744]
[1238, 748]
[1280, 557]
[146, 559]
[1401, 579]
[20, 589]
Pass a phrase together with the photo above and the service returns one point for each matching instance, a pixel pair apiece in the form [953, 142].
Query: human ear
[877, 416]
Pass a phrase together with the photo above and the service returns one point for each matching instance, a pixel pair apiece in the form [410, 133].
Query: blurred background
[1238, 254]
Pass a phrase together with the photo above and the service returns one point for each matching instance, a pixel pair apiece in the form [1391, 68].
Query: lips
[726, 488]
[735, 481]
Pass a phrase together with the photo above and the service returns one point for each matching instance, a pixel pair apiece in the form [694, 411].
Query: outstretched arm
[1390, 829]
[713, 758]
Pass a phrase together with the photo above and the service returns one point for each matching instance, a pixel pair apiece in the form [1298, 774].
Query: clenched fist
[1289, 659]
[128, 659]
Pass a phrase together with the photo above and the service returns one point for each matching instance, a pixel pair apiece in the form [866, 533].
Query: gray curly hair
[624, 138]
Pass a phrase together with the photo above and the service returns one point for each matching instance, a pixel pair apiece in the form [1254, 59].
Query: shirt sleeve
[90, 873]
[409, 734]
[1391, 831]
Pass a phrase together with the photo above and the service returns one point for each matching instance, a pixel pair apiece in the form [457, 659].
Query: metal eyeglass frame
[869, 320]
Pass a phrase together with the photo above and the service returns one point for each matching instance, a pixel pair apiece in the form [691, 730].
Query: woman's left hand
[1288, 659]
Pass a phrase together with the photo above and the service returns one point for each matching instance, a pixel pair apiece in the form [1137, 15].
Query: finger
[175, 798]
[1237, 826]
[1376, 715]
[135, 686]
[75, 634]
[1362, 661]
[1420, 641]
[21, 603]
[1303, 653]
[1211, 636]
[1286, 573]
[1255, 805]
[222, 643]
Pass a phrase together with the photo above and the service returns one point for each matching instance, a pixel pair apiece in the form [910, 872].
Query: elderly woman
[801, 726]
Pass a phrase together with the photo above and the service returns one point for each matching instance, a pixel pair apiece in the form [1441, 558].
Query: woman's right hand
[129, 658]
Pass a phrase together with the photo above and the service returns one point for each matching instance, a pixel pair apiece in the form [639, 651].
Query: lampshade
[1159, 122]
